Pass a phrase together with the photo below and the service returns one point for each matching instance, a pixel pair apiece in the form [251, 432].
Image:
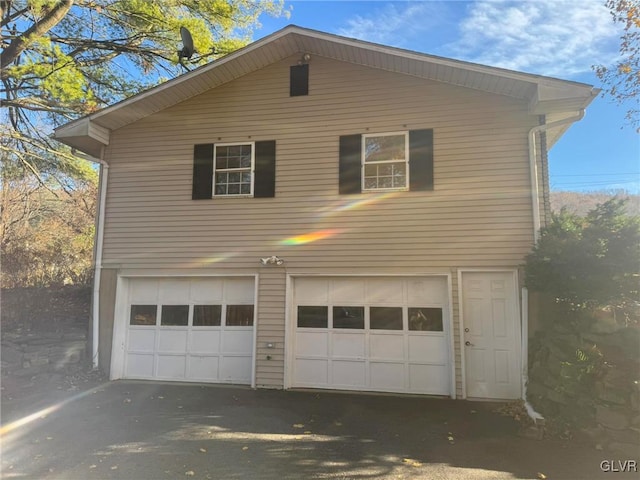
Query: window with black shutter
[393, 161]
[234, 170]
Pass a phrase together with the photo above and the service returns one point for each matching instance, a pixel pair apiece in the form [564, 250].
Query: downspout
[97, 252]
[533, 166]
[102, 194]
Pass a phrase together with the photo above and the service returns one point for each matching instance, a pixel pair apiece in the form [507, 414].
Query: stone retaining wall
[605, 402]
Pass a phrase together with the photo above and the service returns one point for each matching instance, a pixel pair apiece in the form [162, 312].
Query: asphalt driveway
[143, 430]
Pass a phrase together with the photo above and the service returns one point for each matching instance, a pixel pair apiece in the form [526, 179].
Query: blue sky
[557, 38]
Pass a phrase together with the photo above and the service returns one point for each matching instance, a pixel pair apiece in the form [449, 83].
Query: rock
[610, 395]
[625, 436]
[628, 450]
[610, 418]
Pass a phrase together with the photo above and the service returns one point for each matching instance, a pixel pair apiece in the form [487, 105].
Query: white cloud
[551, 37]
[398, 25]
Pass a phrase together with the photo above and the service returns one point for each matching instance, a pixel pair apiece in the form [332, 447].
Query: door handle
[468, 343]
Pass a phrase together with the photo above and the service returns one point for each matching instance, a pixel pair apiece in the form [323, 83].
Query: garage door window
[143, 315]
[425, 319]
[386, 318]
[174, 316]
[207, 315]
[348, 317]
[313, 317]
[239, 316]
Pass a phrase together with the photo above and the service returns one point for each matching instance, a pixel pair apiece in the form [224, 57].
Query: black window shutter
[299, 80]
[202, 171]
[421, 159]
[265, 169]
[350, 171]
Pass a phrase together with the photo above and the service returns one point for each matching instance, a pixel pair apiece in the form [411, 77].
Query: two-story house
[321, 212]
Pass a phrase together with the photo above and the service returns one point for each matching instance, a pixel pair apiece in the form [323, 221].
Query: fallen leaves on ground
[413, 463]
[450, 438]
[298, 425]
[190, 473]
[203, 450]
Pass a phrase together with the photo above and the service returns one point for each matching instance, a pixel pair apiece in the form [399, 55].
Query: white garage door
[375, 334]
[190, 329]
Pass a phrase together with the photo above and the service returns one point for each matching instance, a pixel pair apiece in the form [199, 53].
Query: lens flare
[355, 204]
[310, 237]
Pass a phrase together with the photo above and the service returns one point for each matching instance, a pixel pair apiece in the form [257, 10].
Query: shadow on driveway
[144, 430]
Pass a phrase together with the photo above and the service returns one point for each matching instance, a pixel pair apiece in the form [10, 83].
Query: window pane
[246, 177]
[206, 315]
[425, 319]
[245, 161]
[239, 315]
[175, 315]
[221, 189]
[370, 183]
[386, 318]
[245, 189]
[221, 178]
[233, 188]
[313, 317]
[233, 162]
[385, 169]
[235, 150]
[385, 182]
[143, 315]
[388, 147]
[234, 177]
[348, 317]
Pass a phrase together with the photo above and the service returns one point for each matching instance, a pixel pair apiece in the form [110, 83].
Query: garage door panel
[312, 372]
[235, 341]
[238, 290]
[172, 341]
[142, 340]
[432, 379]
[140, 365]
[345, 290]
[206, 291]
[173, 290]
[348, 374]
[231, 366]
[171, 366]
[204, 341]
[312, 291]
[143, 291]
[312, 343]
[203, 368]
[389, 346]
[385, 291]
[427, 290]
[387, 376]
[428, 348]
[348, 345]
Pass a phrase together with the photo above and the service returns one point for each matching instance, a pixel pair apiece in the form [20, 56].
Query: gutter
[533, 166]
[97, 261]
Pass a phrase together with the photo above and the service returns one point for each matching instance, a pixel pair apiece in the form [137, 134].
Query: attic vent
[299, 80]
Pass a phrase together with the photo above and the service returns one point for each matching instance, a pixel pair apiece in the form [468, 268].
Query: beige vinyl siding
[108, 281]
[479, 214]
[271, 325]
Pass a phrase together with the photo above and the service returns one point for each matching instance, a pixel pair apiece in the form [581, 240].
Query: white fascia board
[84, 135]
[558, 96]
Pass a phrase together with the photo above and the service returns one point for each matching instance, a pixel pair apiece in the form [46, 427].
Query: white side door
[491, 335]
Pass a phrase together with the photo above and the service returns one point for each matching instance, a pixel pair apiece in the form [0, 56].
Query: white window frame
[363, 163]
[241, 170]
